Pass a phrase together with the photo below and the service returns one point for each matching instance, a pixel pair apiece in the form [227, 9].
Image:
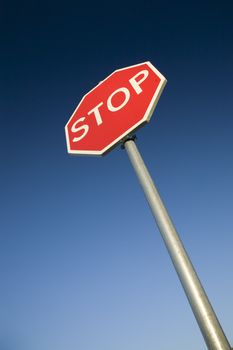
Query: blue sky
[83, 265]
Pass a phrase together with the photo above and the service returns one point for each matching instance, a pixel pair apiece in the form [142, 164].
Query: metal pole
[209, 325]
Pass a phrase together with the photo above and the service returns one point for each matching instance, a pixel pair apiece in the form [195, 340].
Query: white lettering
[83, 127]
[96, 112]
[136, 84]
[116, 108]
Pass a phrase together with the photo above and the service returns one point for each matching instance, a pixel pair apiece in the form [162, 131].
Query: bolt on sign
[115, 108]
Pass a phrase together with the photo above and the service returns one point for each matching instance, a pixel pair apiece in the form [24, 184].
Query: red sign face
[117, 106]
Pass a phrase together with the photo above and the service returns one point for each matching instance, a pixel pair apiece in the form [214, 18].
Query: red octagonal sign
[115, 108]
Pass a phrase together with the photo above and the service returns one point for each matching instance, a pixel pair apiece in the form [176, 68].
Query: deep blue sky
[83, 265]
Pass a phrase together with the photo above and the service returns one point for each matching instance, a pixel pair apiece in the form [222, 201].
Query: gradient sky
[83, 266]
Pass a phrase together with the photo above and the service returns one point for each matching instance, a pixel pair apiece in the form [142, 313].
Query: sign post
[107, 116]
[209, 325]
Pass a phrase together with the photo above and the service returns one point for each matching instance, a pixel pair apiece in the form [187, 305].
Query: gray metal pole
[209, 325]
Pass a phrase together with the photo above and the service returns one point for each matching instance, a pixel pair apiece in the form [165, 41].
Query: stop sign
[113, 109]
